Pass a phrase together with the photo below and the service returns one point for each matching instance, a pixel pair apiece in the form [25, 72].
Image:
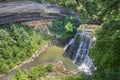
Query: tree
[106, 50]
[69, 27]
[20, 76]
[17, 42]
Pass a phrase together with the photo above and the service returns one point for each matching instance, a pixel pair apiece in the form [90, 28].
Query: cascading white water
[80, 46]
[87, 62]
[82, 58]
[70, 42]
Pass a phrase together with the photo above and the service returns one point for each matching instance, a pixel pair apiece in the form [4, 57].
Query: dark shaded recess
[92, 22]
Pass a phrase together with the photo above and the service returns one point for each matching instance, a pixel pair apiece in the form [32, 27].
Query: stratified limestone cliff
[20, 11]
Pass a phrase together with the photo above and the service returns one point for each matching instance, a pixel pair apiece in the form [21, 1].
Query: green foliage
[33, 73]
[53, 1]
[64, 27]
[106, 50]
[41, 1]
[92, 9]
[50, 67]
[85, 8]
[76, 77]
[37, 71]
[69, 27]
[108, 10]
[40, 71]
[68, 3]
[20, 76]
[18, 42]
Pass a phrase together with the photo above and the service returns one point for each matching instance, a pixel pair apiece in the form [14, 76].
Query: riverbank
[47, 53]
[29, 60]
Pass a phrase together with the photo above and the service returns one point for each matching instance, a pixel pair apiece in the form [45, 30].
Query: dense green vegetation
[65, 27]
[106, 51]
[86, 9]
[40, 72]
[18, 42]
[34, 73]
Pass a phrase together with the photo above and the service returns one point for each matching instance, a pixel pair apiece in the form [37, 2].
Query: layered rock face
[11, 12]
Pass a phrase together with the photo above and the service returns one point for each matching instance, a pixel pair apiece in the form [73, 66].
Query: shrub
[50, 67]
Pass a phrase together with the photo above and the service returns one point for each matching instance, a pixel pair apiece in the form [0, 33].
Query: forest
[18, 41]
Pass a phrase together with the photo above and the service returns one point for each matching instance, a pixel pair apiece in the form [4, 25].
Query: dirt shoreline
[26, 61]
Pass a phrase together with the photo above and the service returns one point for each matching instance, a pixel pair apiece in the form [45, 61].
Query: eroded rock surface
[11, 12]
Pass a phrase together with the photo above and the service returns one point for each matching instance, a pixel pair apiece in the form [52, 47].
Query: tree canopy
[18, 42]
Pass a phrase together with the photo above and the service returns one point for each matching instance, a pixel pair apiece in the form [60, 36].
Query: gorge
[59, 40]
[25, 13]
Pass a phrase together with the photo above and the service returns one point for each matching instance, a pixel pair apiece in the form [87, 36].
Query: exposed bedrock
[11, 12]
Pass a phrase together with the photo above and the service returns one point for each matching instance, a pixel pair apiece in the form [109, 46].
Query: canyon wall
[21, 11]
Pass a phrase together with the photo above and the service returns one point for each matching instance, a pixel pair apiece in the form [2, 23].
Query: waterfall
[80, 55]
[70, 42]
[79, 49]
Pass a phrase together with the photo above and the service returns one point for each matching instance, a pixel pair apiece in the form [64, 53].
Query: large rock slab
[11, 12]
